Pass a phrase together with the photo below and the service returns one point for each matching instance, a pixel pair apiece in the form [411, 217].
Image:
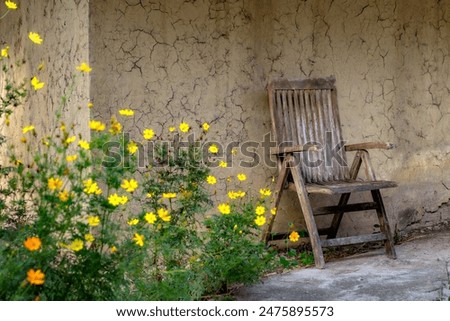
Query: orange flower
[35, 277]
[294, 236]
[32, 243]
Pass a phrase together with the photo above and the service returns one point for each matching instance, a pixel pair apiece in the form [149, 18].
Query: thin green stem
[4, 15]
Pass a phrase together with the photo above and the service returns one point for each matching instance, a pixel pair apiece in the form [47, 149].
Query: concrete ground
[420, 273]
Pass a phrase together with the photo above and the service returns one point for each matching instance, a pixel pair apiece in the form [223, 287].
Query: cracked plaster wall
[211, 60]
[63, 24]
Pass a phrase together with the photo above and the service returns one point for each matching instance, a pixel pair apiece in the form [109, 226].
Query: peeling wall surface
[211, 60]
[63, 26]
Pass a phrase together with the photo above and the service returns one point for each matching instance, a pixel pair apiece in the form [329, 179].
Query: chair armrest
[371, 145]
[292, 149]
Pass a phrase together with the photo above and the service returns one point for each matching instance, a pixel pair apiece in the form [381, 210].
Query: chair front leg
[308, 215]
[281, 181]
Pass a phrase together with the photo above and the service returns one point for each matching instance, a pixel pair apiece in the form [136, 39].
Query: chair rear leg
[337, 217]
[384, 224]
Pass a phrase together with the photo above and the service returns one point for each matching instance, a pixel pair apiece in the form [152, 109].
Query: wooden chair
[311, 157]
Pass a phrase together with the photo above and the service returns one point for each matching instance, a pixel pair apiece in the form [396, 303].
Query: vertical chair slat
[309, 121]
[285, 109]
[278, 117]
[326, 131]
[321, 129]
[301, 121]
[316, 132]
[292, 117]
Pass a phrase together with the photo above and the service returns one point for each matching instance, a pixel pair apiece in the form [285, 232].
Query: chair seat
[341, 187]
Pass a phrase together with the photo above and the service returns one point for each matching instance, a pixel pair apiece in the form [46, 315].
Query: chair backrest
[306, 112]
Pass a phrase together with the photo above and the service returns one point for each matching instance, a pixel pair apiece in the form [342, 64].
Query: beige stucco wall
[64, 27]
[211, 60]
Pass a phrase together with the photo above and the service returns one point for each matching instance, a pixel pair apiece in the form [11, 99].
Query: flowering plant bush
[79, 220]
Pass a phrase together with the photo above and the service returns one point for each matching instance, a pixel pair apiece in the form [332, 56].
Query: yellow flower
[11, 5]
[205, 127]
[36, 83]
[224, 208]
[32, 243]
[149, 195]
[240, 193]
[90, 104]
[150, 217]
[113, 249]
[223, 164]
[89, 237]
[184, 127]
[35, 37]
[76, 245]
[241, 177]
[260, 210]
[211, 180]
[84, 144]
[71, 158]
[172, 129]
[260, 220]
[133, 221]
[265, 192]
[35, 277]
[84, 67]
[126, 112]
[114, 199]
[213, 149]
[97, 125]
[93, 220]
[132, 147]
[23, 140]
[233, 195]
[63, 196]
[273, 211]
[234, 151]
[164, 214]
[123, 200]
[169, 195]
[54, 183]
[116, 127]
[69, 140]
[129, 185]
[91, 187]
[27, 129]
[4, 52]
[294, 236]
[148, 133]
[138, 239]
